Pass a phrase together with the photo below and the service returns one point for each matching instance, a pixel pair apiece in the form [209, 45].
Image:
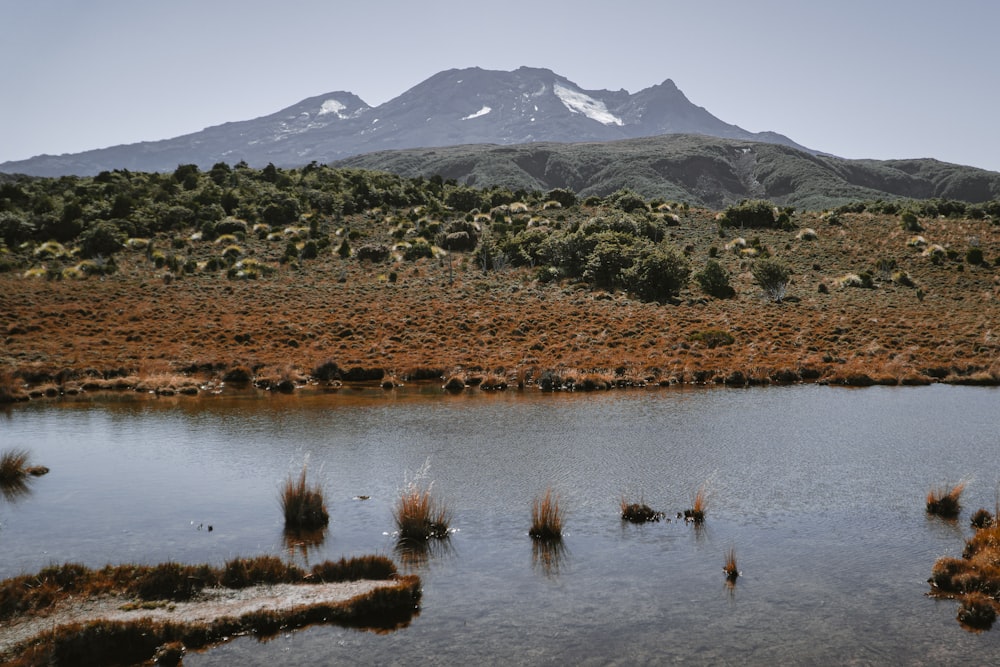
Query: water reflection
[414, 554]
[300, 542]
[549, 556]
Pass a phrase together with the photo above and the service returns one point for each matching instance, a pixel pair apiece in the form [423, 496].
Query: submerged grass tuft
[546, 517]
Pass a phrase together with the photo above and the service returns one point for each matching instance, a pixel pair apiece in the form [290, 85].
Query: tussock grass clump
[418, 515]
[352, 569]
[302, 504]
[945, 501]
[730, 565]
[13, 466]
[546, 517]
[638, 512]
[244, 572]
[699, 506]
[981, 519]
[977, 612]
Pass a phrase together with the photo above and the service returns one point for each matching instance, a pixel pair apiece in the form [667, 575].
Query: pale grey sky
[857, 78]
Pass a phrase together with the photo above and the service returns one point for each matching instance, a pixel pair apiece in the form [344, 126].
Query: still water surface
[819, 490]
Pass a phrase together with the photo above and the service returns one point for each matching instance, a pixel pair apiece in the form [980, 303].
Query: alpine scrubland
[181, 281]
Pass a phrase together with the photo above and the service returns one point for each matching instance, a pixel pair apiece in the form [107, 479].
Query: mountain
[700, 170]
[459, 106]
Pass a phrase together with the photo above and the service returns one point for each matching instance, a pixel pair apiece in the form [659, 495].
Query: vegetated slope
[166, 281]
[458, 106]
[701, 170]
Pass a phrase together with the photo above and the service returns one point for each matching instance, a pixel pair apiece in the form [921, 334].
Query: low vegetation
[418, 515]
[102, 641]
[945, 501]
[433, 279]
[303, 504]
[699, 507]
[638, 512]
[974, 578]
[729, 568]
[546, 517]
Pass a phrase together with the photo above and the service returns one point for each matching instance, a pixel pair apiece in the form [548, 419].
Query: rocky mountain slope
[459, 106]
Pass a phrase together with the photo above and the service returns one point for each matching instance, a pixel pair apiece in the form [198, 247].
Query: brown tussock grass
[546, 517]
[699, 506]
[418, 515]
[945, 501]
[732, 572]
[302, 504]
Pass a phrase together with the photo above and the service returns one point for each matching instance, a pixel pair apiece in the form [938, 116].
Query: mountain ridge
[455, 106]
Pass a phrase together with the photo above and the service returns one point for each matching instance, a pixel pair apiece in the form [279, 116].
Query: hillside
[184, 282]
[701, 170]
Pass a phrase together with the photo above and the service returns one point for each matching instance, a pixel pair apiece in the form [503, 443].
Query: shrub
[974, 256]
[714, 280]
[754, 214]
[417, 250]
[104, 238]
[908, 220]
[657, 274]
[981, 519]
[772, 275]
[302, 504]
[546, 518]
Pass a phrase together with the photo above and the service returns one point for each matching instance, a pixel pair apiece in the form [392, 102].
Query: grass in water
[303, 504]
[730, 567]
[546, 517]
[418, 515]
[945, 501]
[696, 514]
[638, 512]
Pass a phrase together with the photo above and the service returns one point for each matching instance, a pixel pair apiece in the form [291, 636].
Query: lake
[819, 490]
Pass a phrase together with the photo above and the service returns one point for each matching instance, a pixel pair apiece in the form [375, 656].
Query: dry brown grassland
[146, 329]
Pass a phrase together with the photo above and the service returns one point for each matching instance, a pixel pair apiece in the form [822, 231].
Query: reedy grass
[303, 505]
[699, 506]
[13, 466]
[730, 566]
[419, 516]
[546, 517]
[945, 501]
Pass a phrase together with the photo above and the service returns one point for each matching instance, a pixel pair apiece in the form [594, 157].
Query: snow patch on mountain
[334, 107]
[579, 102]
[482, 112]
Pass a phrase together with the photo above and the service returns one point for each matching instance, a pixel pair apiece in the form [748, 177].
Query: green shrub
[714, 280]
[909, 222]
[417, 250]
[754, 214]
[772, 275]
[974, 256]
[104, 238]
[657, 274]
